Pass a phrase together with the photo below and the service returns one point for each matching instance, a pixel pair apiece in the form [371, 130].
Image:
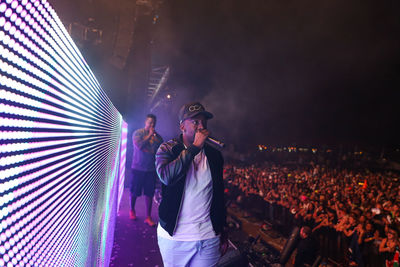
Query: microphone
[214, 142]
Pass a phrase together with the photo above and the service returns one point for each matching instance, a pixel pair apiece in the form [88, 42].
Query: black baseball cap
[193, 109]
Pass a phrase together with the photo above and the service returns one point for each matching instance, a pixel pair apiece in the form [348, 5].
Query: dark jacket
[307, 251]
[172, 163]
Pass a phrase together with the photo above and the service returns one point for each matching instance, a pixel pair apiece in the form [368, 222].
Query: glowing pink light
[3, 7]
[11, 43]
[12, 30]
[7, 26]
[6, 39]
[11, 253]
[14, 4]
[14, 206]
[8, 12]
[44, 13]
[6, 258]
[22, 40]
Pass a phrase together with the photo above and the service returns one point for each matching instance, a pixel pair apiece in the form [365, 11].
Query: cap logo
[195, 108]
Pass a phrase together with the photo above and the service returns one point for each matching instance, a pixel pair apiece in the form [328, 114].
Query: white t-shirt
[194, 221]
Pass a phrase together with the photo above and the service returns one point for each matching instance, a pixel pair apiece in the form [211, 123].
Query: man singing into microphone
[192, 212]
[145, 144]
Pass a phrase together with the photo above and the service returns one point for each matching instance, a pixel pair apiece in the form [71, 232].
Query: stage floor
[135, 243]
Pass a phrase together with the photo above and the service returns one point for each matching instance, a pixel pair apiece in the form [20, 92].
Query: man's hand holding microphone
[200, 137]
[151, 133]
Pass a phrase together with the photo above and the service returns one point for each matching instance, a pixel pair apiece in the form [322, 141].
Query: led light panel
[63, 146]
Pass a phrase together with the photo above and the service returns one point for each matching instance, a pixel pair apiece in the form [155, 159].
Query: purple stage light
[63, 146]
[8, 12]
[3, 7]
[19, 9]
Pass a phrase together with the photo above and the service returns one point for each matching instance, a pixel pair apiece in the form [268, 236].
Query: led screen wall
[62, 146]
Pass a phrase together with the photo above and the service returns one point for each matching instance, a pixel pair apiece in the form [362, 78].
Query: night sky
[283, 72]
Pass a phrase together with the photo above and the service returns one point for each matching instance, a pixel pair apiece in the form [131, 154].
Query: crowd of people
[363, 206]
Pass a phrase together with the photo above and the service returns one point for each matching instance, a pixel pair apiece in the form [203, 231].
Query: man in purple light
[145, 144]
[192, 211]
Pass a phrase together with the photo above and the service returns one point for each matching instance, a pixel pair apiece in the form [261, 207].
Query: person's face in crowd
[368, 227]
[341, 213]
[371, 195]
[302, 233]
[362, 219]
[352, 221]
[149, 123]
[369, 215]
[391, 235]
[190, 126]
[386, 204]
[310, 206]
